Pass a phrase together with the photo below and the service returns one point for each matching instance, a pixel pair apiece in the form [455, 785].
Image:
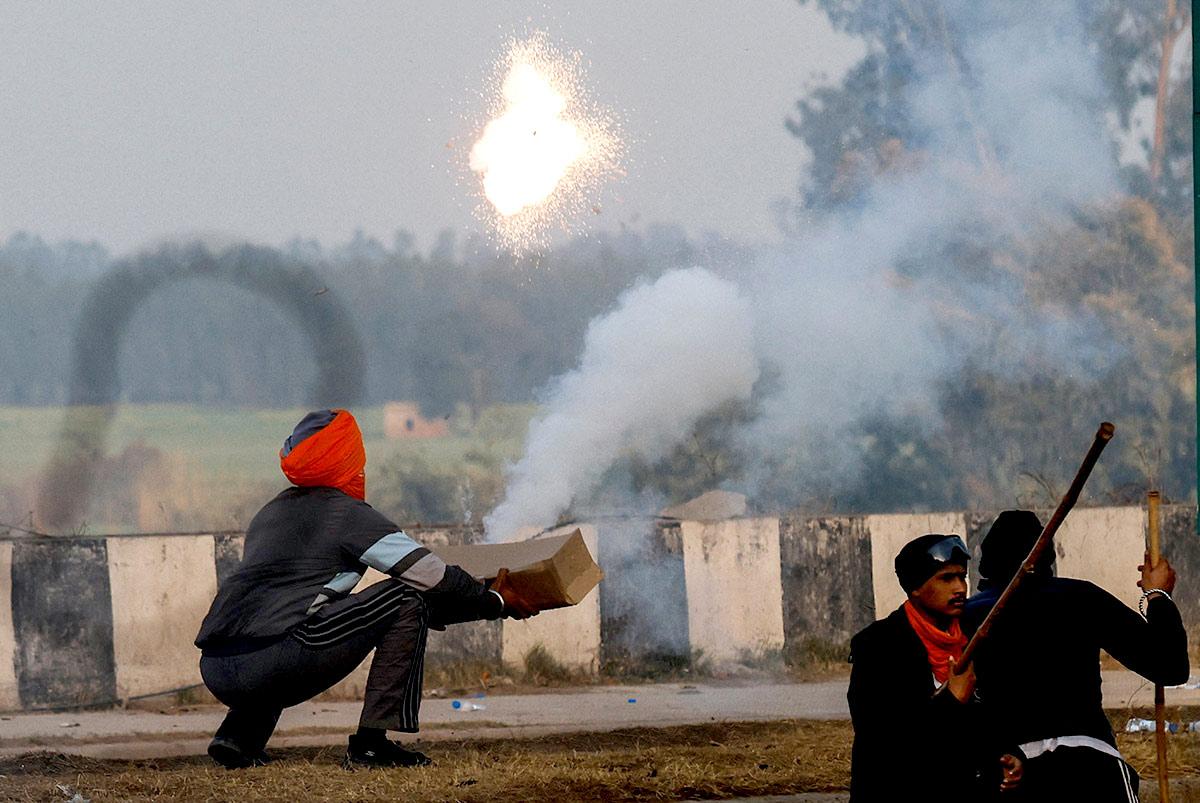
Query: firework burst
[546, 149]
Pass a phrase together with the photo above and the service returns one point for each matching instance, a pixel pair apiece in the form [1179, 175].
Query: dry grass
[709, 761]
[543, 669]
[641, 764]
[1139, 749]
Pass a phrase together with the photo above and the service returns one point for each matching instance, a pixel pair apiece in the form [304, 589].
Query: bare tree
[1175, 22]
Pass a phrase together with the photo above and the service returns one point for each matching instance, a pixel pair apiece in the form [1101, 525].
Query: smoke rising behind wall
[669, 353]
[868, 307]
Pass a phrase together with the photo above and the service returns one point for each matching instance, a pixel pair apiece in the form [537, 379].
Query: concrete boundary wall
[888, 533]
[1181, 544]
[161, 589]
[1118, 534]
[62, 622]
[91, 620]
[734, 588]
[571, 635]
[828, 593]
[1104, 545]
[643, 599]
[9, 698]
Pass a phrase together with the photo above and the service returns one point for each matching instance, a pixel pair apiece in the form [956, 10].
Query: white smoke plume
[669, 353]
[867, 308]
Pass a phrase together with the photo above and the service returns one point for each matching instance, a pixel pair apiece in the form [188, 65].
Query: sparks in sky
[546, 150]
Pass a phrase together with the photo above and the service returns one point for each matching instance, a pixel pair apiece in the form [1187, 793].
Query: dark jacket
[309, 546]
[908, 744]
[1039, 670]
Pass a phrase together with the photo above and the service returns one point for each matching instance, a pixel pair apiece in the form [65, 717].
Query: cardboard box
[548, 573]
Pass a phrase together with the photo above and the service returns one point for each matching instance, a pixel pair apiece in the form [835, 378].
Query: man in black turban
[1039, 670]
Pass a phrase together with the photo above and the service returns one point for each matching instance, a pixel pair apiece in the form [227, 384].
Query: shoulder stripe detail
[408, 560]
[389, 551]
[424, 573]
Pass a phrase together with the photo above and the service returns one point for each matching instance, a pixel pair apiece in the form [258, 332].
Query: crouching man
[284, 626]
[910, 744]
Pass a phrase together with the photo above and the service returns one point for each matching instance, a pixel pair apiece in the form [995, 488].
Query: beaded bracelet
[1146, 594]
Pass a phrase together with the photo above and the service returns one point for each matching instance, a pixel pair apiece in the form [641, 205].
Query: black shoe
[381, 753]
[231, 756]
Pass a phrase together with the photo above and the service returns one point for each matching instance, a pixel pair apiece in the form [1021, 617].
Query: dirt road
[147, 734]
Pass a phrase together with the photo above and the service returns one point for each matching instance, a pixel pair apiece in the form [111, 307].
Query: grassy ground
[707, 761]
[641, 764]
[222, 453]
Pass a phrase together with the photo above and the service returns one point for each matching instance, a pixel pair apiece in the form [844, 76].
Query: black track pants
[388, 617]
[1077, 773]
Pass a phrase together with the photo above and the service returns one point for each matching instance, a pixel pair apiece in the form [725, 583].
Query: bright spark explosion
[546, 150]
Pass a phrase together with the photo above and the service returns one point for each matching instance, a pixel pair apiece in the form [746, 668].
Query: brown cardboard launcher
[548, 573]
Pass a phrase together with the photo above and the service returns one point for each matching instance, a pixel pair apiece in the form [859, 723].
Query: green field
[217, 455]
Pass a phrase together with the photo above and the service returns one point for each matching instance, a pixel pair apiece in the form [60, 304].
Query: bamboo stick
[1160, 697]
[1103, 436]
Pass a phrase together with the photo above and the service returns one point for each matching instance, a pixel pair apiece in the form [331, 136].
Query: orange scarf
[939, 645]
[332, 457]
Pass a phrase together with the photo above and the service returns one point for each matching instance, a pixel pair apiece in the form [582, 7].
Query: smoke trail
[671, 352]
[873, 304]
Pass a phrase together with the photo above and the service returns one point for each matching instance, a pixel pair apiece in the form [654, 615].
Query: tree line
[464, 324]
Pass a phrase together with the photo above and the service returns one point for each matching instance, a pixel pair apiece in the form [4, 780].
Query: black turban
[914, 564]
[1007, 544]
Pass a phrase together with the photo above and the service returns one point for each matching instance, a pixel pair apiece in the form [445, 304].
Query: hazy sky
[126, 122]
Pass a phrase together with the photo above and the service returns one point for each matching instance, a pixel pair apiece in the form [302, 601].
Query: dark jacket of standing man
[1039, 670]
[908, 743]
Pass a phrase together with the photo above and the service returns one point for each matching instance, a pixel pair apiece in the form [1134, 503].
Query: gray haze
[650, 369]
[128, 122]
[834, 325]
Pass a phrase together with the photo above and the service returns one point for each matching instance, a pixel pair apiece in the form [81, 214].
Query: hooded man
[284, 626]
[910, 744]
[1039, 670]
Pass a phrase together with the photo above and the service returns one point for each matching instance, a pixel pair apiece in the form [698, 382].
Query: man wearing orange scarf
[285, 626]
[910, 744]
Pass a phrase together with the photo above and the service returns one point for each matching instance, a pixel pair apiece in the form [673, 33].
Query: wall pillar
[734, 588]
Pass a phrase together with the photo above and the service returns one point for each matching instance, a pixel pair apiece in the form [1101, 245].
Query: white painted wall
[889, 533]
[734, 587]
[9, 699]
[162, 587]
[571, 635]
[1105, 545]
[161, 590]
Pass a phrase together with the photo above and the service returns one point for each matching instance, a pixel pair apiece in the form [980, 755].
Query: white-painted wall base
[570, 635]
[889, 533]
[734, 588]
[9, 699]
[161, 589]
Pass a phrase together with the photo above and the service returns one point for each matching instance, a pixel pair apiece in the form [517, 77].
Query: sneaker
[381, 753]
[231, 756]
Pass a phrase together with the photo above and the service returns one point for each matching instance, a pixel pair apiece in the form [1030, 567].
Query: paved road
[142, 734]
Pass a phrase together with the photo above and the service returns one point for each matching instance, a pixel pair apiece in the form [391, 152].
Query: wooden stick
[1103, 436]
[1160, 697]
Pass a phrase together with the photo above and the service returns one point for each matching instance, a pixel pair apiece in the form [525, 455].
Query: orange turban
[326, 449]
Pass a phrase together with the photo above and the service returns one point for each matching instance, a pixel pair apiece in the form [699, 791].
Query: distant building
[404, 420]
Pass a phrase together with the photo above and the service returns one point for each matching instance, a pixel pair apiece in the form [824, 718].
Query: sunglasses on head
[950, 548]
